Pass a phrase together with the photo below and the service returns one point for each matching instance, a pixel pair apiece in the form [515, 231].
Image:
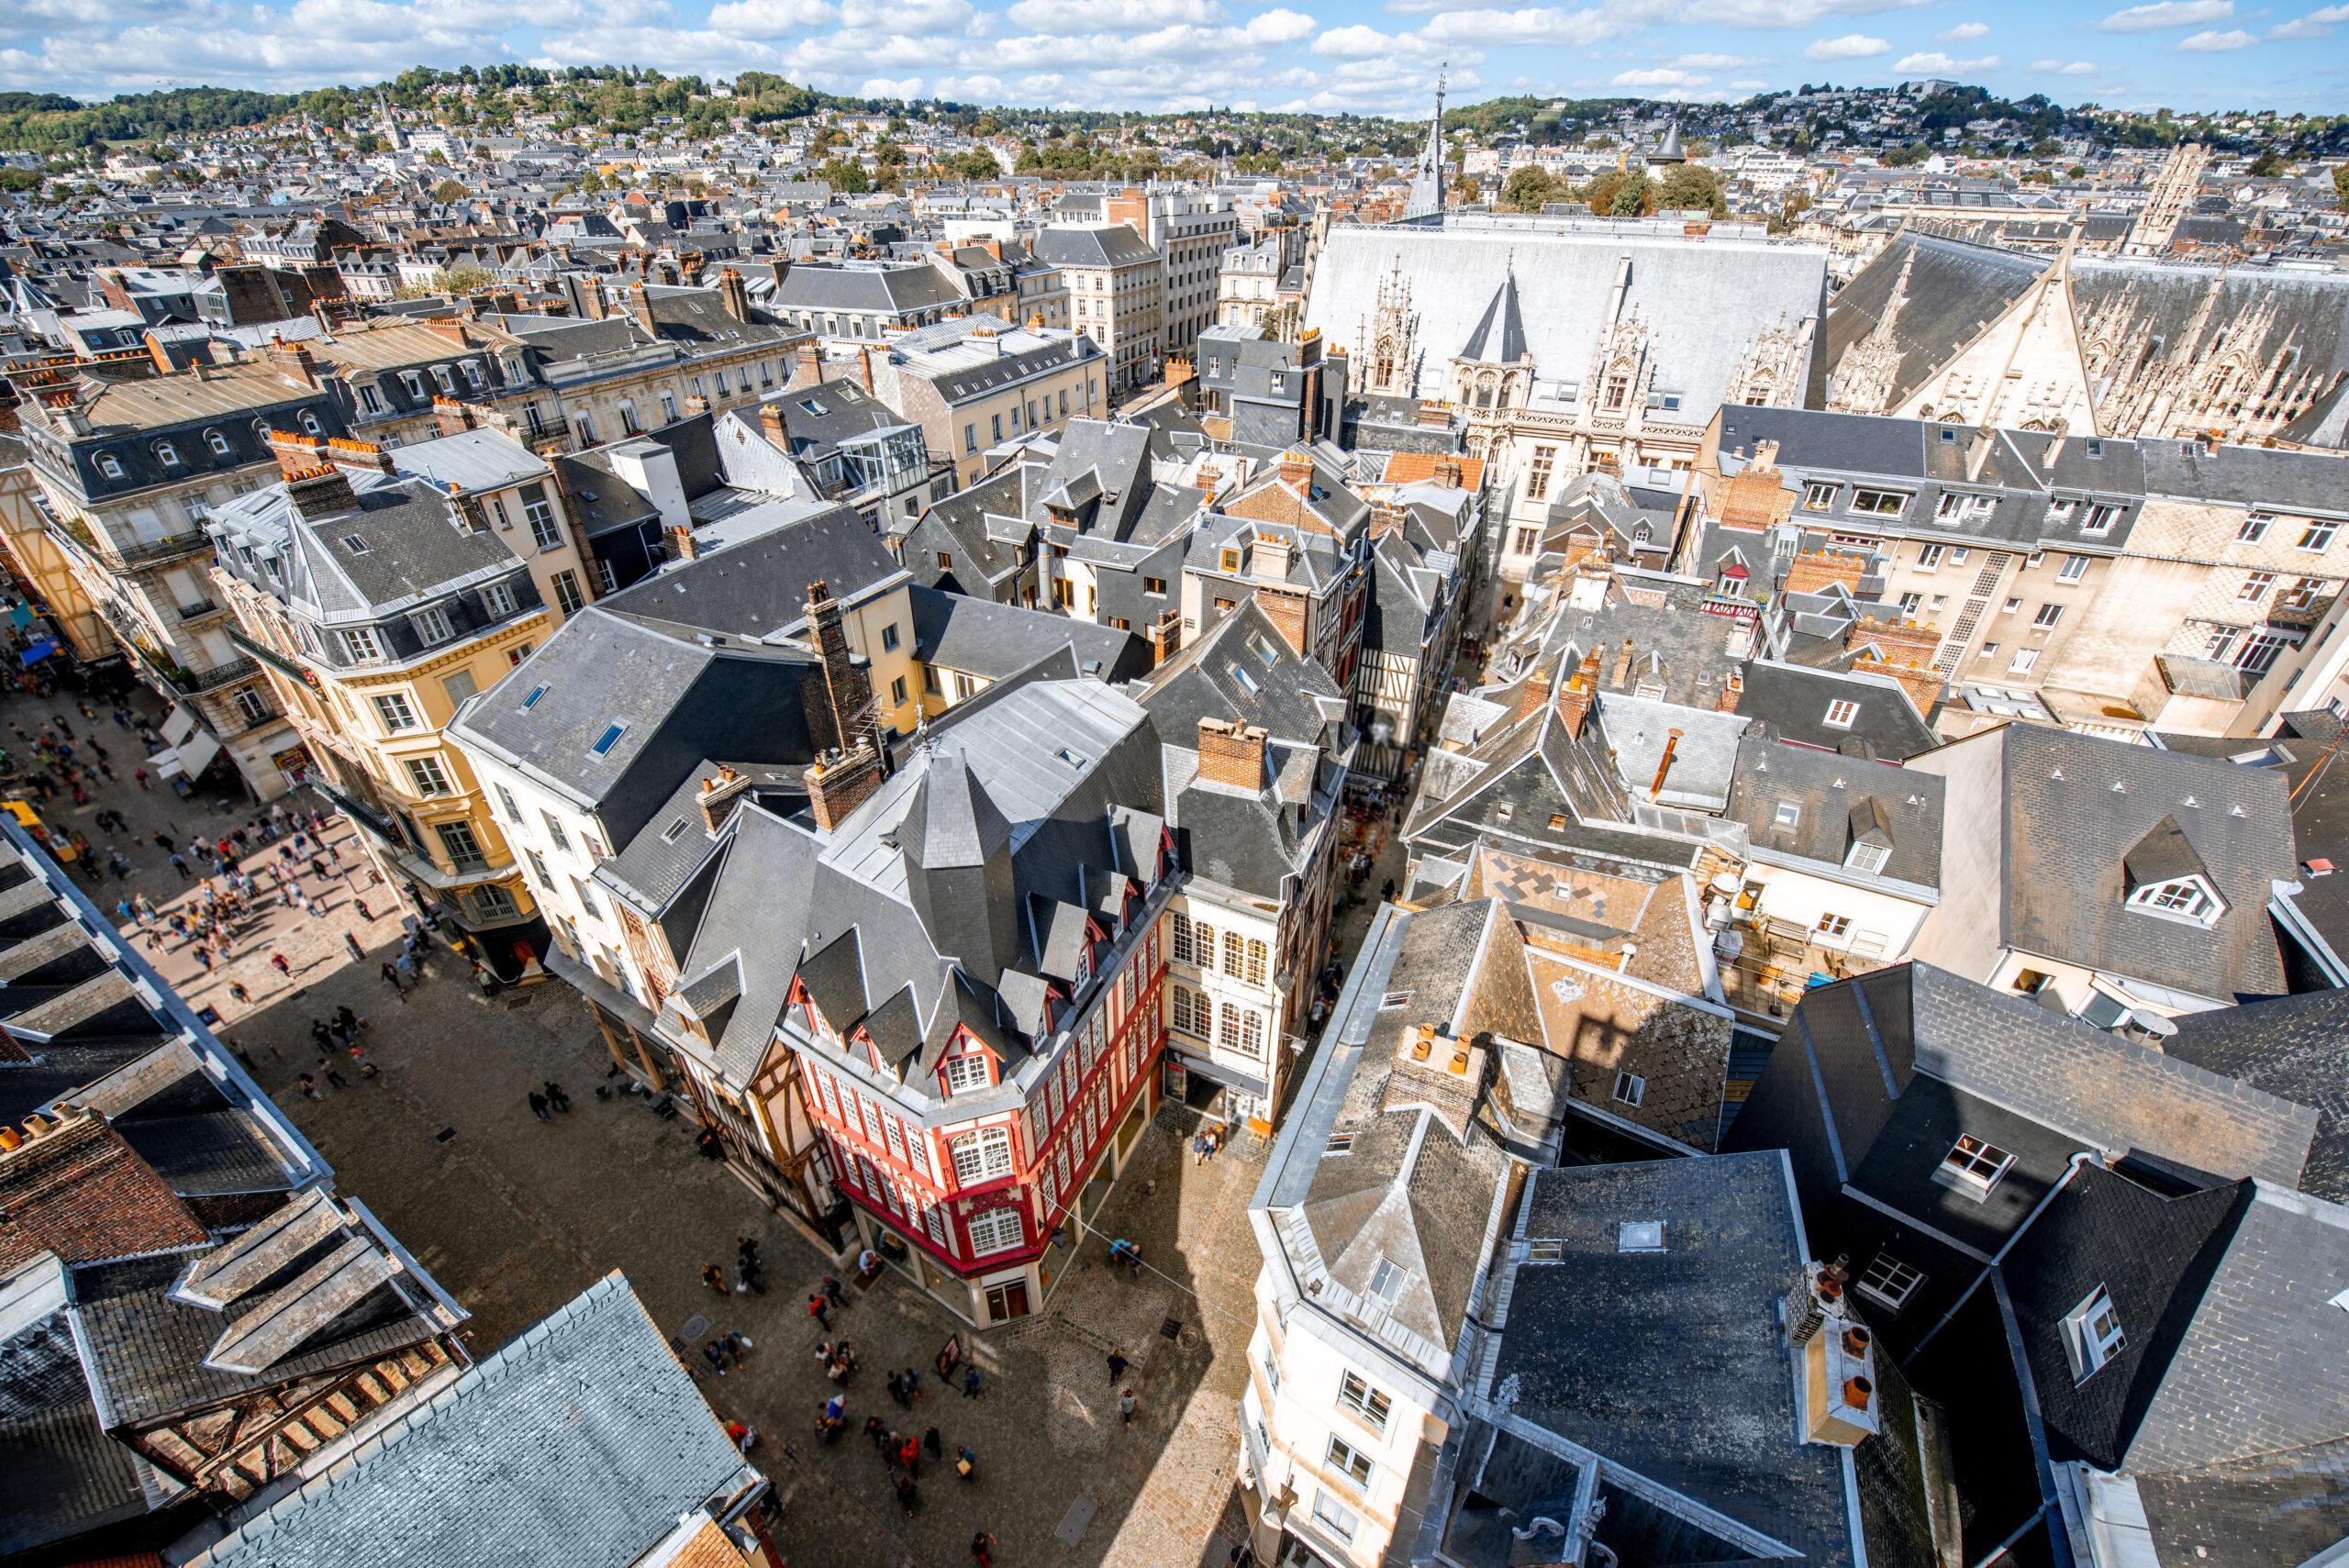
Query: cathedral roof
[1499, 337]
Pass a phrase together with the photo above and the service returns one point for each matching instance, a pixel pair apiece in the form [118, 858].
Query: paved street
[515, 1217]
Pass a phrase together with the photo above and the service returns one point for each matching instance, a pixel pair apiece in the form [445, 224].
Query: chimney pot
[1857, 1390]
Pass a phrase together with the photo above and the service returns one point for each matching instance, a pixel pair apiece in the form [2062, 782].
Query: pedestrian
[1118, 1364]
[321, 1036]
[237, 989]
[816, 1310]
[337, 1079]
[310, 1088]
[539, 1109]
[360, 904]
[832, 1292]
[932, 1441]
[347, 1023]
[970, 1381]
[737, 1343]
[392, 979]
[744, 1438]
[358, 953]
[1198, 1149]
[406, 964]
[1125, 1402]
[909, 1455]
[876, 1430]
[179, 864]
[714, 1353]
[556, 1098]
[983, 1550]
[913, 1383]
[907, 1496]
[966, 1463]
[711, 1275]
[897, 1391]
[746, 1278]
[204, 957]
[278, 961]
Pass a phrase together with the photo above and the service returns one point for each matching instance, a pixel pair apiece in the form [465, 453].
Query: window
[539, 866]
[983, 1155]
[2075, 567]
[532, 701]
[2319, 536]
[1879, 503]
[1867, 858]
[2048, 615]
[2303, 593]
[2101, 519]
[2253, 529]
[167, 454]
[1349, 1462]
[1973, 1166]
[1832, 928]
[967, 1072]
[1193, 1016]
[1153, 584]
[1537, 480]
[361, 643]
[1229, 558]
[1841, 712]
[1930, 556]
[889, 638]
[217, 442]
[2092, 1334]
[1335, 1517]
[1911, 603]
[897, 689]
[1889, 1282]
[567, 594]
[555, 835]
[432, 625]
[506, 800]
[1630, 1089]
[1818, 496]
[997, 1231]
[109, 465]
[1788, 814]
[2023, 659]
[462, 849]
[2255, 587]
[460, 688]
[608, 740]
[1363, 1400]
[393, 708]
[539, 511]
[2186, 897]
[430, 778]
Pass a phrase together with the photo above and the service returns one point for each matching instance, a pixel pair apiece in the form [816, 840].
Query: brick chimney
[1232, 754]
[320, 491]
[1574, 703]
[1448, 471]
[1533, 695]
[639, 305]
[1289, 614]
[1296, 469]
[1732, 692]
[681, 543]
[453, 417]
[811, 363]
[719, 794]
[1622, 666]
[842, 715]
[840, 782]
[864, 365]
[1814, 570]
[347, 454]
[734, 293]
[296, 453]
[293, 362]
[771, 421]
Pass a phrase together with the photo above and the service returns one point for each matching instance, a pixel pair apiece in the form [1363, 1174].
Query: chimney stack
[320, 491]
[1574, 703]
[844, 717]
[1533, 695]
[1289, 613]
[840, 782]
[864, 365]
[734, 293]
[811, 361]
[639, 305]
[719, 794]
[770, 422]
[1664, 766]
[1732, 692]
[681, 543]
[1622, 666]
[1232, 754]
[1296, 469]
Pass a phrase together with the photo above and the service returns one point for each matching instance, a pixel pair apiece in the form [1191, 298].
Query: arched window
[310, 423]
[218, 443]
[109, 465]
[167, 454]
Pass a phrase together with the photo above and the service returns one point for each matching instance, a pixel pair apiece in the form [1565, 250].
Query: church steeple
[1427, 177]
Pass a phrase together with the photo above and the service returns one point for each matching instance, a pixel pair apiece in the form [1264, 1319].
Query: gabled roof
[1499, 335]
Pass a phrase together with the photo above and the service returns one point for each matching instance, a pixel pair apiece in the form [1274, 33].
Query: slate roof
[583, 1430]
[982, 638]
[1499, 336]
[1243, 671]
[1791, 702]
[1104, 245]
[2074, 807]
[889, 288]
[1955, 290]
[1673, 1364]
[1841, 800]
[2296, 1048]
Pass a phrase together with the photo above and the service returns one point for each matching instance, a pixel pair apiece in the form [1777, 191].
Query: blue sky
[1371, 56]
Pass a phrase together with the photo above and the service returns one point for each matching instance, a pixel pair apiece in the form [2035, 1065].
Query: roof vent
[2319, 867]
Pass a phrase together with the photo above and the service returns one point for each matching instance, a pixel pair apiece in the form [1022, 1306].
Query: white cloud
[1533, 24]
[2315, 25]
[1714, 62]
[1750, 86]
[1776, 14]
[1964, 32]
[1662, 76]
[910, 18]
[884, 88]
[1933, 62]
[2213, 42]
[1278, 27]
[1110, 15]
[971, 89]
[2166, 14]
[2066, 68]
[1851, 46]
[772, 19]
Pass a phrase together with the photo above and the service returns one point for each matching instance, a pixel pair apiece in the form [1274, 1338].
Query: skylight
[354, 544]
[673, 831]
[532, 700]
[608, 740]
[1640, 1235]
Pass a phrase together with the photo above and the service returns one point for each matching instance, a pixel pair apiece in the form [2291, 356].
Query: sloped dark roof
[1499, 335]
[2296, 1048]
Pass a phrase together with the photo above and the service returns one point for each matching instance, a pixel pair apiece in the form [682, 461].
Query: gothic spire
[1427, 178]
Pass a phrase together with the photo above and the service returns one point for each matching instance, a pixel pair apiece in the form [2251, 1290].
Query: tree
[1526, 189]
[1631, 200]
[465, 277]
[2341, 184]
[449, 191]
[2270, 166]
[843, 176]
[1469, 189]
[1691, 187]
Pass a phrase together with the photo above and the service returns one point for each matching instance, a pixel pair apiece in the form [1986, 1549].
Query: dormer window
[109, 465]
[1867, 858]
[217, 442]
[1974, 1167]
[2182, 898]
[310, 423]
[2092, 1334]
[167, 454]
[966, 1072]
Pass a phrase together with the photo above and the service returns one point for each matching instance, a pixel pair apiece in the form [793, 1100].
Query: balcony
[202, 609]
[2288, 615]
